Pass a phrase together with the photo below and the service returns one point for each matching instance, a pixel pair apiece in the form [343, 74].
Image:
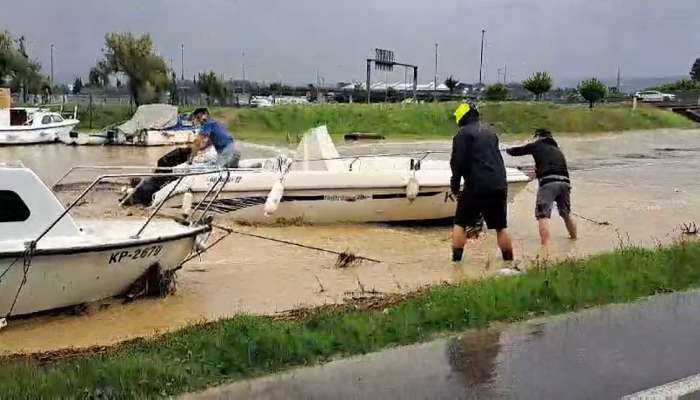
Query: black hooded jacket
[477, 158]
[550, 163]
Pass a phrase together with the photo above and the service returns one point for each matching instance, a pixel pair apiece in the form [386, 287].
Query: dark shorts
[549, 193]
[492, 207]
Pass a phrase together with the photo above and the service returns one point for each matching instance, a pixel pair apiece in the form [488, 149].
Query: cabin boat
[151, 125]
[50, 260]
[33, 125]
[320, 186]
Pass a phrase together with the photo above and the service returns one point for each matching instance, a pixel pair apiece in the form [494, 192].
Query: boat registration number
[125, 255]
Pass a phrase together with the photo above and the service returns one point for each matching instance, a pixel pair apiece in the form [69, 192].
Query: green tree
[174, 93]
[17, 69]
[99, 74]
[496, 92]
[451, 83]
[592, 90]
[136, 58]
[538, 84]
[695, 70]
[77, 85]
[213, 87]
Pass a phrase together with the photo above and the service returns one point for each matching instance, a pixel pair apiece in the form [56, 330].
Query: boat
[21, 125]
[50, 260]
[319, 186]
[151, 125]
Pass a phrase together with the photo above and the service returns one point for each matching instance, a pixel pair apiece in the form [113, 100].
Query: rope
[600, 223]
[27, 262]
[229, 230]
[8, 268]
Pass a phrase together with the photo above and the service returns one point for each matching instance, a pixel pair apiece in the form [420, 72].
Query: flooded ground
[606, 353]
[643, 185]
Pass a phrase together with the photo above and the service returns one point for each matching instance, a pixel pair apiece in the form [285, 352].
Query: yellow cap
[461, 111]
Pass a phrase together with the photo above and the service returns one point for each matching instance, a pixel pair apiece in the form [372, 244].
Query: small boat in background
[151, 125]
[33, 125]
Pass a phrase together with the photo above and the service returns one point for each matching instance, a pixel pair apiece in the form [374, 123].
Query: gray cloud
[290, 40]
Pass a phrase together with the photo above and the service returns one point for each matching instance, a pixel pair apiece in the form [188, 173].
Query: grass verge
[277, 125]
[435, 121]
[245, 346]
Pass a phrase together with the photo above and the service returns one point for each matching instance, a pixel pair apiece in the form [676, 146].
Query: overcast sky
[290, 40]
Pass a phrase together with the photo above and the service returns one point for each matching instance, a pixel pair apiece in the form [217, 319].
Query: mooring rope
[337, 253]
[27, 256]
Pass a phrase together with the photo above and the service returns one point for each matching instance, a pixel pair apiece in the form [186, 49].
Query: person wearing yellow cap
[476, 160]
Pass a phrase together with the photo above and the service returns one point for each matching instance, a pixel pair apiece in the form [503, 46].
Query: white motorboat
[50, 260]
[33, 125]
[151, 125]
[323, 187]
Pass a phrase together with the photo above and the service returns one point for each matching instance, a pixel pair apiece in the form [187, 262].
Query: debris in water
[347, 259]
[153, 283]
[319, 284]
[690, 229]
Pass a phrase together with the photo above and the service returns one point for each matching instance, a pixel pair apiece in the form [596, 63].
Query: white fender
[187, 202]
[274, 198]
[412, 188]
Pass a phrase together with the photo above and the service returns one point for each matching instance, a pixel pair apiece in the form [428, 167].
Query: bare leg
[571, 226]
[459, 240]
[505, 244]
[544, 231]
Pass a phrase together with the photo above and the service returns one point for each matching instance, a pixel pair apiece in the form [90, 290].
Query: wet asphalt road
[605, 353]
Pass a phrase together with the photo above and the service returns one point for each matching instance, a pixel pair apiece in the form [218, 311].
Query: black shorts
[492, 207]
[548, 194]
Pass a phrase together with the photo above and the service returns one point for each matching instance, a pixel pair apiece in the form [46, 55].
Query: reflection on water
[604, 353]
[648, 198]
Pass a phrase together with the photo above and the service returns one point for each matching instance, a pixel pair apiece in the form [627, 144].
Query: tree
[136, 58]
[17, 69]
[99, 74]
[538, 84]
[695, 70]
[496, 92]
[213, 87]
[77, 85]
[592, 90]
[174, 92]
[451, 83]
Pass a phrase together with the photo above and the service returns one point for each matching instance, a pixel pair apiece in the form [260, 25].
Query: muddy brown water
[644, 184]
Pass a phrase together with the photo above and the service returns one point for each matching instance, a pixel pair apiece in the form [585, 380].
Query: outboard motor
[146, 188]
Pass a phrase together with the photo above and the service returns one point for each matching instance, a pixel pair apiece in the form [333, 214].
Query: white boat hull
[29, 135]
[146, 138]
[64, 278]
[323, 206]
[83, 138]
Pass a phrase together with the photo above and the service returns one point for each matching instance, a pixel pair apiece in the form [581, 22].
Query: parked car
[654, 96]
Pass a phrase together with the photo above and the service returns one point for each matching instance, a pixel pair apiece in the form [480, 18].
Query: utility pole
[436, 74]
[505, 73]
[618, 79]
[182, 61]
[481, 62]
[52, 65]
[243, 64]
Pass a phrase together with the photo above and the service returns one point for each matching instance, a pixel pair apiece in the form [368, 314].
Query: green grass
[245, 346]
[435, 121]
[412, 121]
[102, 115]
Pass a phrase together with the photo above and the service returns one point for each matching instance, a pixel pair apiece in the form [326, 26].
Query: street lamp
[182, 61]
[52, 64]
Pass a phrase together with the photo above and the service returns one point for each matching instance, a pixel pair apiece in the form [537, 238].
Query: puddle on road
[604, 353]
[249, 275]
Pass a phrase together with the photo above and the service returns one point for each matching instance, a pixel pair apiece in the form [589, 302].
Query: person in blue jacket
[215, 133]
